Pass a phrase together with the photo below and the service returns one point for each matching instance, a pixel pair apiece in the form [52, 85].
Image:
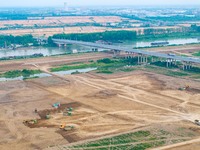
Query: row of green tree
[176, 18]
[7, 40]
[106, 36]
[148, 33]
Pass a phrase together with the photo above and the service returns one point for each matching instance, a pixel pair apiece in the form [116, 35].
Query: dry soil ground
[187, 50]
[51, 61]
[103, 105]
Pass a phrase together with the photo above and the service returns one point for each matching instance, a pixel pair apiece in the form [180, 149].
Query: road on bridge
[118, 48]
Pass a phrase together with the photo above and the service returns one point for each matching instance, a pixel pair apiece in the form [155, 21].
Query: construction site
[60, 112]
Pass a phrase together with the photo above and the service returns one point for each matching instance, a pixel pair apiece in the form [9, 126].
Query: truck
[171, 54]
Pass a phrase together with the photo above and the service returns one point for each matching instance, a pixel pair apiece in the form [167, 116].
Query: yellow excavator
[187, 87]
[62, 126]
[66, 127]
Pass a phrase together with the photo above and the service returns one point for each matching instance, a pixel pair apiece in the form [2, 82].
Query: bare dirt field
[78, 29]
[50, 61]
[103, 105]
[187, 50]
[53, 21]
[54, 25]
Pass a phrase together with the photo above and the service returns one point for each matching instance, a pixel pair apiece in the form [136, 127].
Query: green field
[139, 140]
[105, 65]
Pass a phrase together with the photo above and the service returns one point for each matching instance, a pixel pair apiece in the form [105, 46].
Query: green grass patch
[105, 71]
[196, 54]
[72, 67]
[166, 71]
[176, 73]
[124, 141]
[127, 69]
[109, 66]
[105, 65]
[28, 78]
[17, 73]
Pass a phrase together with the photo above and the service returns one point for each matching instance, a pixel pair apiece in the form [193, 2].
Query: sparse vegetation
[17, 73]
[105, 71]
[105, 65]
[72, 67]
[109, 66]
[133, 141]
[197, 54]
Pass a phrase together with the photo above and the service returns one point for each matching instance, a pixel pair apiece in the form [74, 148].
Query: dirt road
[180, 146]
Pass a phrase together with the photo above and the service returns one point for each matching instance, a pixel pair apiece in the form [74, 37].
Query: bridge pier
[187, 65]
[170, 62]
[95, 49]
[142, 59]
[174, 62]
[139, 59]
[59, 45]
[116, 53]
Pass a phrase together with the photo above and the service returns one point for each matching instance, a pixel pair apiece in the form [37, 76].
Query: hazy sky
[5, 3]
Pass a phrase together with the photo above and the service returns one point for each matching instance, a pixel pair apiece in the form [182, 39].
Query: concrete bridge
[142, 54]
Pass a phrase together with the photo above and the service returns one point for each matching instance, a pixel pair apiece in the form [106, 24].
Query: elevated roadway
[119, 48]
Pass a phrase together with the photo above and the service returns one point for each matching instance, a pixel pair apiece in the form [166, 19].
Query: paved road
[119, 48]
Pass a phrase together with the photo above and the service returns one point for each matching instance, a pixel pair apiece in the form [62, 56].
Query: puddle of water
[75, 70]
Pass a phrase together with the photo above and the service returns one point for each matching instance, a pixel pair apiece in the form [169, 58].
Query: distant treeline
[146, 34]
[7, 40]
[105, 36]
[196, 28]
[176, 18]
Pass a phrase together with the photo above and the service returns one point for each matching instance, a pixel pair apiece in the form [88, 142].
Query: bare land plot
[102, 106]
[68, 30]
[56, 21]
[50, 61]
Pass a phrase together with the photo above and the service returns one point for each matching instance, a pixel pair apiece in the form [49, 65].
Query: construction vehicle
[31, 122]
[197, 122]
[68, 112]
[62, 126]
[56, 105]
[66, 127]
[187, 87]
[184, 88]
[47, 116]
[70, 109]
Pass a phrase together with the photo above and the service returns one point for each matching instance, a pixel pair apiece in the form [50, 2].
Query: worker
[36, 110]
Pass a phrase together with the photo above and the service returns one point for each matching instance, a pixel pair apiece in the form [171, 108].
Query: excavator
[66, 127]
[62, 126]
[186, 87]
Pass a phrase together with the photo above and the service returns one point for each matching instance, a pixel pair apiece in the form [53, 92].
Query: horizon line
[59, 6]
